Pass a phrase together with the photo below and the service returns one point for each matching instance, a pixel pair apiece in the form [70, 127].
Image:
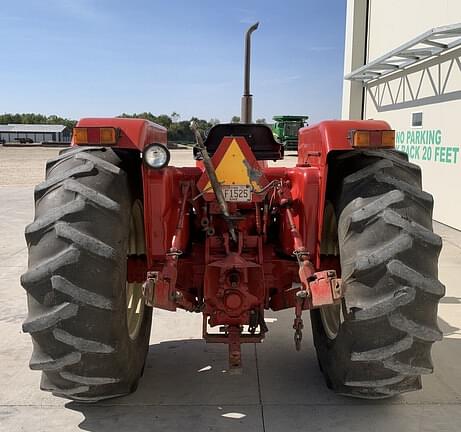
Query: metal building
[34, 133]
[403, 65]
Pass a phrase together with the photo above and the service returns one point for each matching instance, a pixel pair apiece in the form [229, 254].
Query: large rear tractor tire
[378, 343]
[89, 327]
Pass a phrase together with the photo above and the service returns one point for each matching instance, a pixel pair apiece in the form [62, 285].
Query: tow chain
[148, 288]
[298, 323]
[298, 337]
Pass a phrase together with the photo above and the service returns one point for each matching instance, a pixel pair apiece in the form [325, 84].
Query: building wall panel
[432, 88]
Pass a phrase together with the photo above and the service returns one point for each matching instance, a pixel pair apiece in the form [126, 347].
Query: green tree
[201, 124]
[180, 132]
[261, 121]
[235, 119]
[164, 120]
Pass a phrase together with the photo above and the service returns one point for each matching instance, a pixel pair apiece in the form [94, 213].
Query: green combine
[286, 128]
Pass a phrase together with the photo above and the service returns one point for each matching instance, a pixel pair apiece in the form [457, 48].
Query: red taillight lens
[80, 136]
[373, 138]
[107, 136]
[388, 139]
[95, 136]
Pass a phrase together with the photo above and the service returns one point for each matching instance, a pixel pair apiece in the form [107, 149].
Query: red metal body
[134, 134]
[275, 263]
[316, 143]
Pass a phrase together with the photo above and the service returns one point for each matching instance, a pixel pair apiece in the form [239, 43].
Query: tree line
[31, 118]
[178, 130]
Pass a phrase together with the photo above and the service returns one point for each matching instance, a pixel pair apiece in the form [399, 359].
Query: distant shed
[36, 133]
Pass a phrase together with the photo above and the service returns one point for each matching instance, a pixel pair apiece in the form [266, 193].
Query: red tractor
[346, 234]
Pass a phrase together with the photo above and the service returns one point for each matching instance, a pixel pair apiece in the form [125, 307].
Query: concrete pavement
[186, 386]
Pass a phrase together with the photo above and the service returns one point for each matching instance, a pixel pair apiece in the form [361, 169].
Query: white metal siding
[432, 87]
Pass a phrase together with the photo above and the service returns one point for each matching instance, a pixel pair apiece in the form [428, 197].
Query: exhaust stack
[247, 98]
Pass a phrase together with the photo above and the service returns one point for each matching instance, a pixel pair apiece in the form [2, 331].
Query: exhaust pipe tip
[252, 28]
[247, 98]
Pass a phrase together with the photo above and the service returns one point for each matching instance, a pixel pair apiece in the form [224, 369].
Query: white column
[354, 57]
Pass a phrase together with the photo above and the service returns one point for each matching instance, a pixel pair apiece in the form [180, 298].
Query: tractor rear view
[345, 234]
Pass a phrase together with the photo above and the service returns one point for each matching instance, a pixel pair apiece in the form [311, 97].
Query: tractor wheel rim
[331, 316]
[331, 320]
[134, 294]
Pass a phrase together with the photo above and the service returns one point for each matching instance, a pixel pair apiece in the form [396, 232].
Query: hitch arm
[317, 288]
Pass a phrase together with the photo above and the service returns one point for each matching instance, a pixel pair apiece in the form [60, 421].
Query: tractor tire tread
[92, 195]
[82, 344]
[84, 242]
[79, 379]
[50, 317]
[388, 251]
[55, 181]
[79, 295]
[81, 358]
[69, 153]
[41, 361]
[100, 163]
[61, 213]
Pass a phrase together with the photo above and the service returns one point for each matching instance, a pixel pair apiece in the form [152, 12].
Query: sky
[81, 58]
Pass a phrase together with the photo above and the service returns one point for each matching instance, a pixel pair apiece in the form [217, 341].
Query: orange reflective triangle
[235, 164]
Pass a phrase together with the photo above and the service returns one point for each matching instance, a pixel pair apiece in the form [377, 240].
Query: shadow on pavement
[186, 387]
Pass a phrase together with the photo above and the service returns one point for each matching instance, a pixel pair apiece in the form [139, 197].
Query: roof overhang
[32, 128]
[427, 45]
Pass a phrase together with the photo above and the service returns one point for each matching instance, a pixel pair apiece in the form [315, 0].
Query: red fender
[316, 144]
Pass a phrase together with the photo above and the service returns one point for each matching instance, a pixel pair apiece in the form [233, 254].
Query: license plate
[237, 193]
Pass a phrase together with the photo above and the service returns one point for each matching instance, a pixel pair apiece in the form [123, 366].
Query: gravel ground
[24, 166]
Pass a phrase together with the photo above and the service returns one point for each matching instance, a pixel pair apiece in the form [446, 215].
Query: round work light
[156, 156]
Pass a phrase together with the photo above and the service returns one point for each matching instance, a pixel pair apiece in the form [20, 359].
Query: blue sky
[99, 58]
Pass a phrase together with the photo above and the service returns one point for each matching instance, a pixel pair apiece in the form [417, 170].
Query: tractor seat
[259, 138]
